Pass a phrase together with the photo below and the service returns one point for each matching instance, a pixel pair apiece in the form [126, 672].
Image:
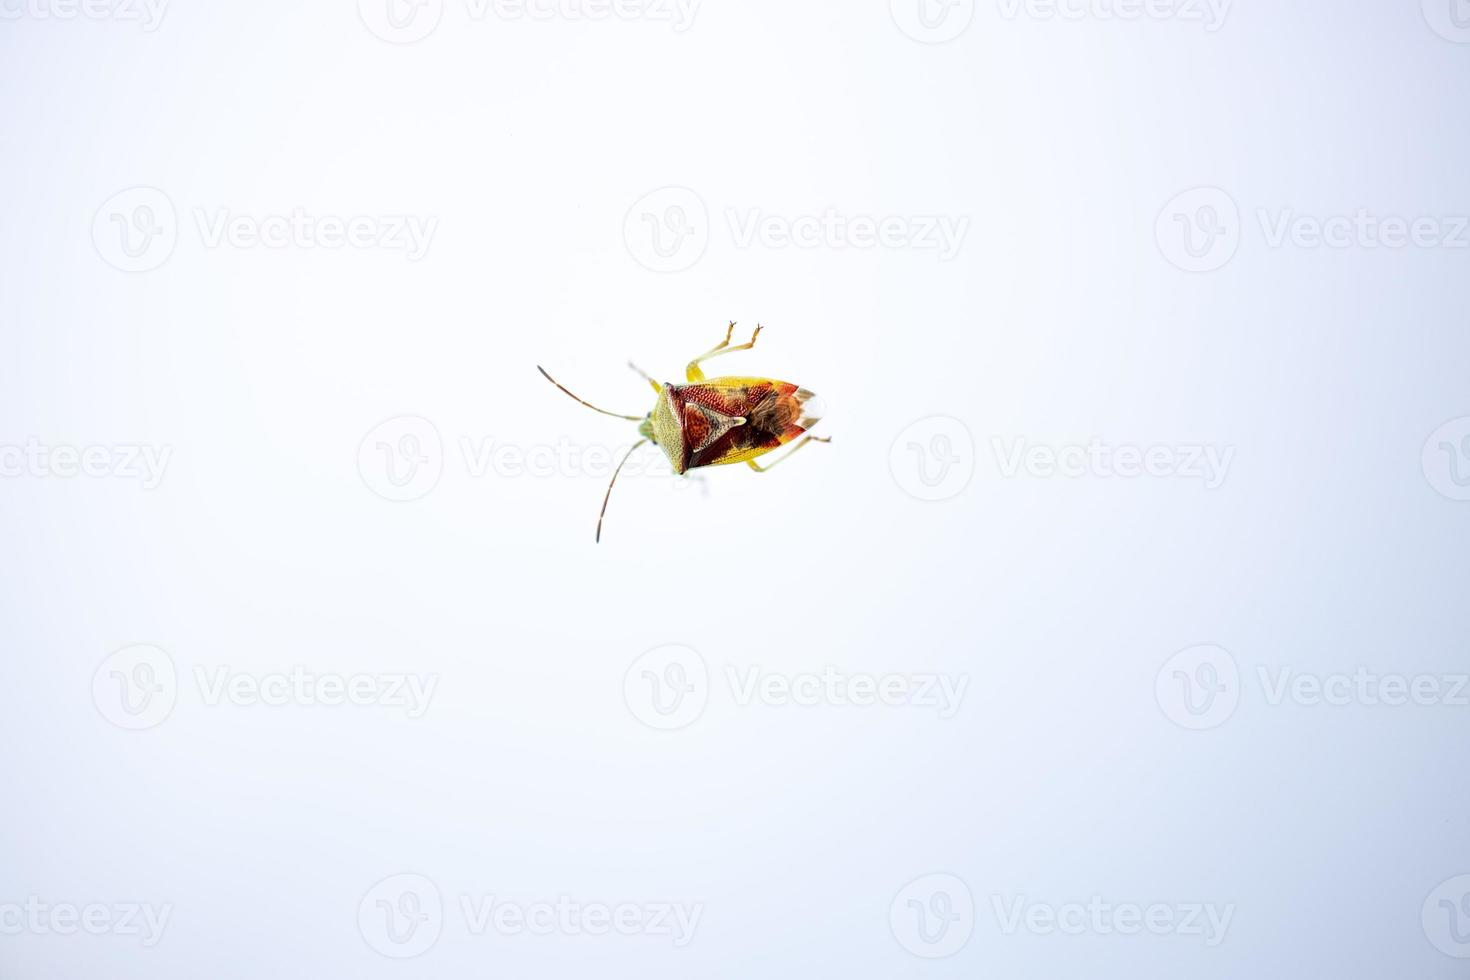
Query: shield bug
[717, 421]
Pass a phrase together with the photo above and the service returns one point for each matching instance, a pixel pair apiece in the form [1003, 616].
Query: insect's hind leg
[789, 453]
[693, 372]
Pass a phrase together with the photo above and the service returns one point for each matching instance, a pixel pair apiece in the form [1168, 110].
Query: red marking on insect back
[710, 414]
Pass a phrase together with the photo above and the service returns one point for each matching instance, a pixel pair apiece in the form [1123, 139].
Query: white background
[1333, 543]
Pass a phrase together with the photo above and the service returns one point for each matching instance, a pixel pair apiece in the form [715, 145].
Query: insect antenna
[630, 418]
[605, 497]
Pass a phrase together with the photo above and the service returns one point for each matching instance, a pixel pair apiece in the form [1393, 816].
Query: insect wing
[774, 413]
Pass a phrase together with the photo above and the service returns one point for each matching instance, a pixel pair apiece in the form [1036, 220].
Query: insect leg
[693, 372]
[789, 453]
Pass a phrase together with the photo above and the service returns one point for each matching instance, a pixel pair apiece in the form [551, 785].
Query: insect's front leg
[646, 377]
[693, 372]
[789, 453]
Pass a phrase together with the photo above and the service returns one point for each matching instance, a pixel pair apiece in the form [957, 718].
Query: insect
[717, 421]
